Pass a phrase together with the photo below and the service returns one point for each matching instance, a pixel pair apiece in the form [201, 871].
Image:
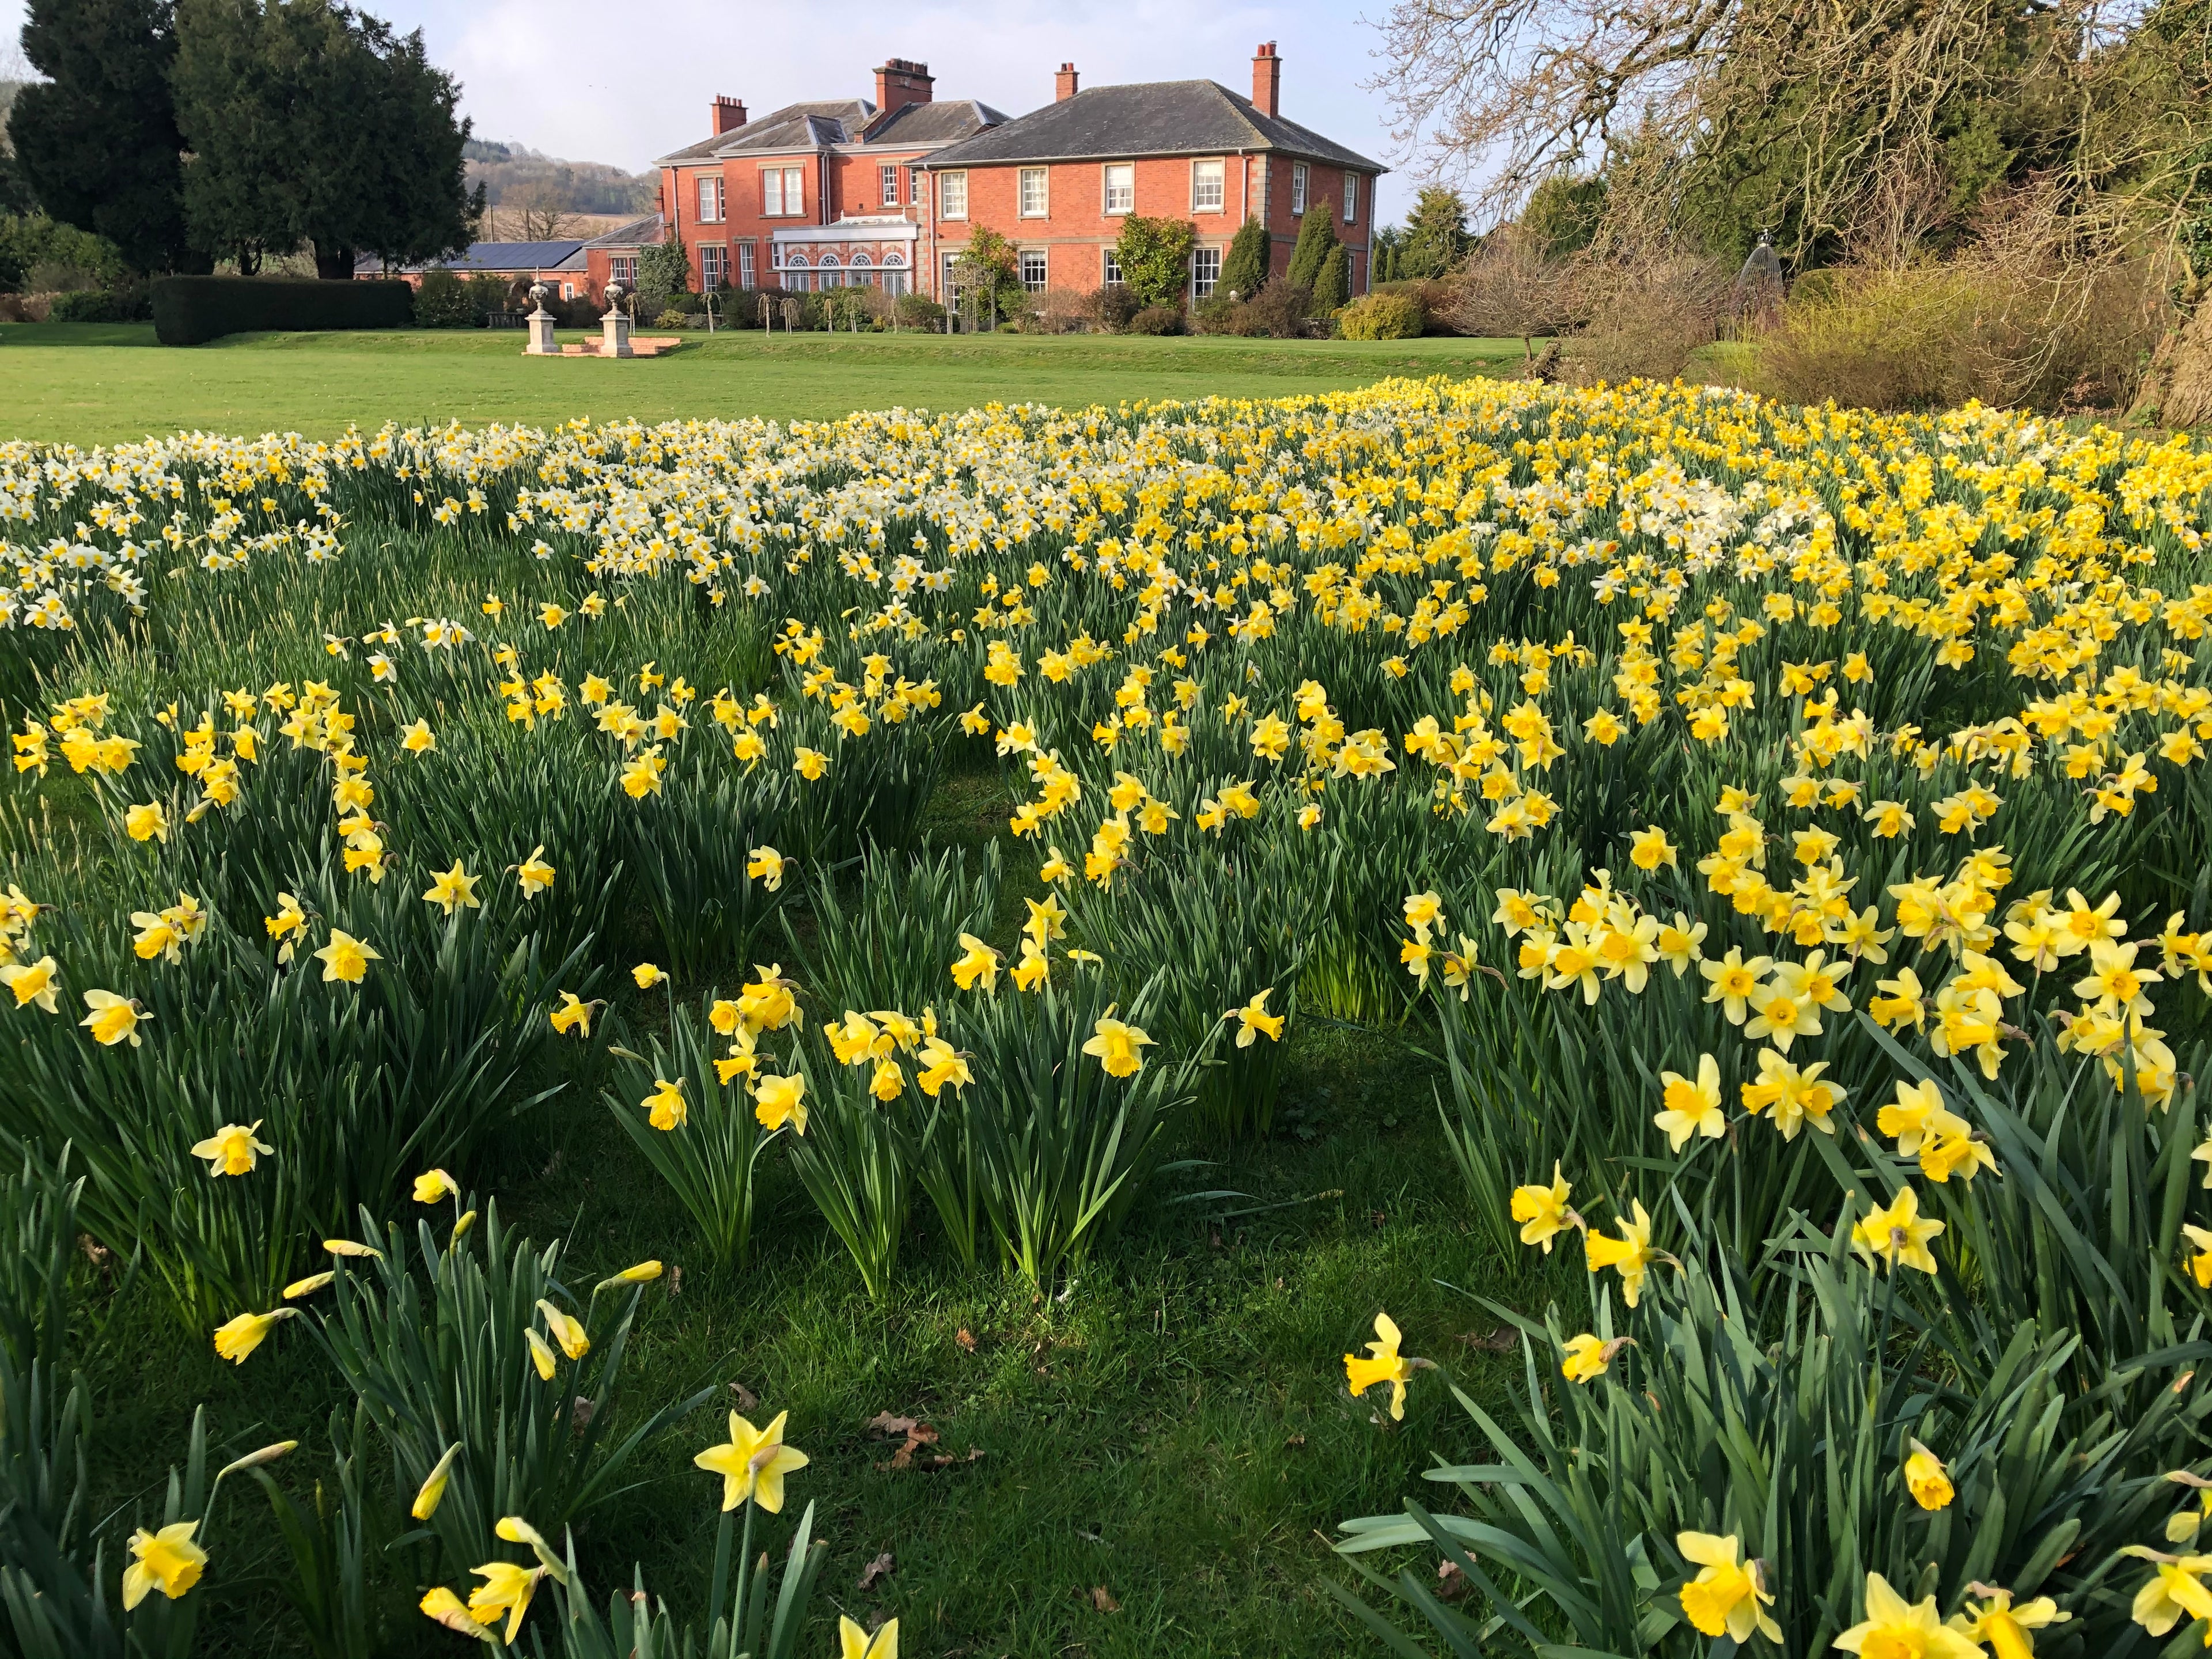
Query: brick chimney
[1267, 80]
[1063, 84]
[727, 115]
[900, 82]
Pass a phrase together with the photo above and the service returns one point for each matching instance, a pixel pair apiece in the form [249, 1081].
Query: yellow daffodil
[855, 1641]
[1632, 1253]
[565, 1330]
[36, 981]
[113, 1019]
[167, 1560]
[232, 1149]
[753, 1463]
[1116, 1044]
[1896, 1236]
[453, 889]
[1384, 1364]
[1926, 1479]
[1588, 1356]
[781, 1100]
[1896, 1629]
[506, 1589]
[346, 958]
[1728, 1596]
[1691, 1107]
[1254, 1021]
[665, 1106]
[238, 1338]
[1543, 1211]
[1994, 1621]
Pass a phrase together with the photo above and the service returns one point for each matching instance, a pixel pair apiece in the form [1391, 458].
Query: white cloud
[592, 81]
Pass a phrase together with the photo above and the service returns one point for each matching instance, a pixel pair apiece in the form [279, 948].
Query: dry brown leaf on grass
[1102, 1599]
[914, 1434]
[877, 1570]
[966, 1339]
[1499, 1339]
[746, 1399]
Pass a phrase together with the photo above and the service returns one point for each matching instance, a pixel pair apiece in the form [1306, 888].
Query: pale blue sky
[610, 83]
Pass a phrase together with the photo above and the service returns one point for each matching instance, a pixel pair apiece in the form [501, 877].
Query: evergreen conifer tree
[1333, 285]
[1316, 235]
[1244, 268]
[96, 142]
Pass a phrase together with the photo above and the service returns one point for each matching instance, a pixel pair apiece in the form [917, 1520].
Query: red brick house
[845, 191]
[817, 195]
[1058, 182]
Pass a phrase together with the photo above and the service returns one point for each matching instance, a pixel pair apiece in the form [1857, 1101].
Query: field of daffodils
[1790, 829]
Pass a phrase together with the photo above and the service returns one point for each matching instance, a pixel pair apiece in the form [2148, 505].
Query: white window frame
[1220, 167]
[1202, 288]
[1025, 178]
[797, 278]
[746, 275]
[1106, 172]
[710, 198]
[1109, 266]
[1299, 192]
[783, 193]
[952, 194]
[1351, 198]
[887, 184]
[948, 287]
[714, 267]
[1043, 269]
[622, 268]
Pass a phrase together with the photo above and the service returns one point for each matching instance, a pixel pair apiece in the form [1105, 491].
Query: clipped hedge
[189, 310]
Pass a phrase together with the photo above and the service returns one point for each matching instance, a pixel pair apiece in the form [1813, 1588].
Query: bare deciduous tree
[1509, 289]
[539, 214]
[1519, 89]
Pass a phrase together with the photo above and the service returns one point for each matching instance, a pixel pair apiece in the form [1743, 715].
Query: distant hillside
[516, 176]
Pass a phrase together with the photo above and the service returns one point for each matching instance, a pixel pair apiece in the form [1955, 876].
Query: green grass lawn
[92, 383]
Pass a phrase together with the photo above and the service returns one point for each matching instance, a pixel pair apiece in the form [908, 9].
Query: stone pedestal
[615, 336]
[541, 335]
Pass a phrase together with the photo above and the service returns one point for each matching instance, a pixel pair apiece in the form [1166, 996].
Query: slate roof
[937, 123]
[1151, 118]
[514, 256]
[823, 123]
[493, 257]
[637, 232]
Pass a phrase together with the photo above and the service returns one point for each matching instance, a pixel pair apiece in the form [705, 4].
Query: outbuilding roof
[514, 256]
[1150, 117]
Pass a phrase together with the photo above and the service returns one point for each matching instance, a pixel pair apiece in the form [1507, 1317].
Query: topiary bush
[1382, 317]
[443, 301]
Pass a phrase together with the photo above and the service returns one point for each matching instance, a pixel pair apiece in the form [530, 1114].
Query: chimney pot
[901, 82]
[1063, 85]
[1266, 80]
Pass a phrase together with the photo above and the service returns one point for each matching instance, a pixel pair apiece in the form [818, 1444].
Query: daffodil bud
[255, 1460]
[434, 1489]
